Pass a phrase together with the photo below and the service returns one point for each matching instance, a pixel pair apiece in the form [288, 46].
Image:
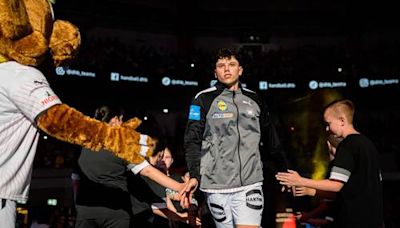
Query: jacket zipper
[237, 126]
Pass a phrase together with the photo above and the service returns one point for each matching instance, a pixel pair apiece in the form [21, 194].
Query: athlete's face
[228, 71]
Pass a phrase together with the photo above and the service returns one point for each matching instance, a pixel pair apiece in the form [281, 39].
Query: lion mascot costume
[28, 32]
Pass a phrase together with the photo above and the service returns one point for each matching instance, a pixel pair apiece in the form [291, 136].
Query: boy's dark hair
[223, 53]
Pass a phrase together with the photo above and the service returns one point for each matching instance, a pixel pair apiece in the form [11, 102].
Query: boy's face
[333, 123]
[228, 71]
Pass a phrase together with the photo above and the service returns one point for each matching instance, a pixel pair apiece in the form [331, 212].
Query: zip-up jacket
[225, 133]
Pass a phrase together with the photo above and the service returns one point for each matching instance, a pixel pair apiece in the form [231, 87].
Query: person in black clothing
[103, 198]
[355, 173]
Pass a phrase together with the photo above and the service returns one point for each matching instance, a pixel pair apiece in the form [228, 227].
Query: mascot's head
[28, 31]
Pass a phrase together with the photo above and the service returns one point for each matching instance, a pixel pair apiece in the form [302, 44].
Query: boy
[355, 173]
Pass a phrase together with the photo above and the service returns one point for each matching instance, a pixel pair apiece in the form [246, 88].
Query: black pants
[103, 222]
[95, 217]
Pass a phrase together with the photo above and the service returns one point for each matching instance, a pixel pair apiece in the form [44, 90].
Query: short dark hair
[223, 53]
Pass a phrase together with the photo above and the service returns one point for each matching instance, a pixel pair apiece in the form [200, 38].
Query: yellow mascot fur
[27, 32]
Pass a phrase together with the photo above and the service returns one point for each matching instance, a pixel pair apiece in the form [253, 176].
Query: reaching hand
[290, 178]
[303, 191]
[191, 187]
[116, 121]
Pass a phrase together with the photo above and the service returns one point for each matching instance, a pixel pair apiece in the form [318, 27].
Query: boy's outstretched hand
[289, 178]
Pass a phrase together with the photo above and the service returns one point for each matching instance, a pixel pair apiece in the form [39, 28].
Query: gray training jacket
[223, 136]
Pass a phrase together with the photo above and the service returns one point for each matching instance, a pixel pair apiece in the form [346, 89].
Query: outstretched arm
[162, 179]
[185, 190]
[68, 124]
[292, 178]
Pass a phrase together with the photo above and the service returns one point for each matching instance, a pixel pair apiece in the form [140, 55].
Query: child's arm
[162, 179]
[292, 178]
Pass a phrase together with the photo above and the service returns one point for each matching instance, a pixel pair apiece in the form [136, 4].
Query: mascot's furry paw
[65, 41]
[67, 124]
[132, 123]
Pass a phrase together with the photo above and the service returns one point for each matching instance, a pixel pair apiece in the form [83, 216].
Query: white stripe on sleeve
[136, 168]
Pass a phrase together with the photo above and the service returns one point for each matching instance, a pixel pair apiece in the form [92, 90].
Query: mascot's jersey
[24, 94]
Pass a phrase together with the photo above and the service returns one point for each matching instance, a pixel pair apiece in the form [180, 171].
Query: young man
[227, 124]
[355, 173]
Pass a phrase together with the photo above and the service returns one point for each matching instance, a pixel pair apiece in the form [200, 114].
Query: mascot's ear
[14, 19]
[26, 26]
[65, 41]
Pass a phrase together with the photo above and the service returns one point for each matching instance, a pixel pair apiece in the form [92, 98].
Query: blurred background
[153, 56]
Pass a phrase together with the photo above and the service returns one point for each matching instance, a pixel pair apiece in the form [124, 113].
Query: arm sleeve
[136, 168]
[343, 164]
[193, 138]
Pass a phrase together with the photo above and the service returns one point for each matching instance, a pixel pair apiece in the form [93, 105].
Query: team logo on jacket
[194, 112]
[222, 115]
[222, 105]
[247, 102]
